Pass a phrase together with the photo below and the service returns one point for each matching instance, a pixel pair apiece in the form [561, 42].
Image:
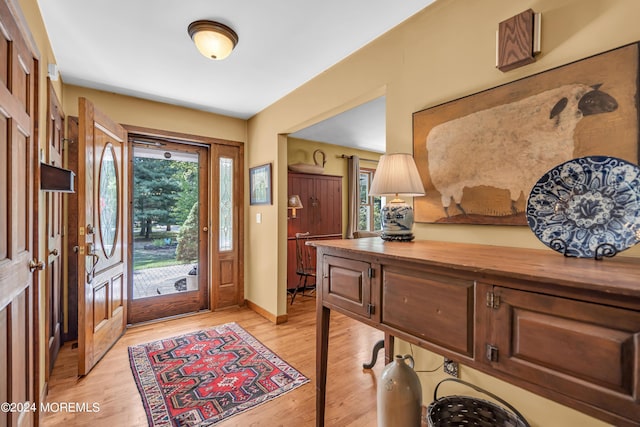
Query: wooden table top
[619, 275]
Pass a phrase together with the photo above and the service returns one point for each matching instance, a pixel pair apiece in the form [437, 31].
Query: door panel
[53, 207]
[21, 199]
[102, 213]
[18, 170]
[226, 282]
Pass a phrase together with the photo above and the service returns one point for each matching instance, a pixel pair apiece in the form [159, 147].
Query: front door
[103, 243]
[170, 227]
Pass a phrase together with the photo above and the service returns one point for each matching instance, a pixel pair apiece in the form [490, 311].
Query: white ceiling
[141, 47]
[362, 127]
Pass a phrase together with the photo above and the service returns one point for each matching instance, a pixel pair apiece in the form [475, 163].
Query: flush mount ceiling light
[213, 39]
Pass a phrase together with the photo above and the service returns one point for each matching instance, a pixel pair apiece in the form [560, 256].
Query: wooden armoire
[321, 215]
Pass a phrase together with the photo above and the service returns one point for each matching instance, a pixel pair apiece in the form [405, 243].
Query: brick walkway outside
[160, 280]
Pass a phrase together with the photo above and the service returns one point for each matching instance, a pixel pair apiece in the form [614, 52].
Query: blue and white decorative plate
[587, 207]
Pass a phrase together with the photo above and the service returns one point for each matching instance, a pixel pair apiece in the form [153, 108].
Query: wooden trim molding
[278, 320]
[43, 398]
[138, 131]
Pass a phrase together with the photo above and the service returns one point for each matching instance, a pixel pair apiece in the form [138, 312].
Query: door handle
[34, 265]
[54, 252]
[96, 259]
[90, 229]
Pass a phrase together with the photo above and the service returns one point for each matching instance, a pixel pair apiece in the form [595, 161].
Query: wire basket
[457, 411]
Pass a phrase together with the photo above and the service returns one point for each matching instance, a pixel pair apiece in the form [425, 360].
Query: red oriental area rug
[204, 377]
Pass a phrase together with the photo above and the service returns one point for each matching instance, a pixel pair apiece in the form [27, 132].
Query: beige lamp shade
[294, 203]
[213, 39]
[396, 174]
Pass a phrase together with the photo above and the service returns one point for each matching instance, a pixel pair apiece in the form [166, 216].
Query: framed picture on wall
[479, 156]
[260, 185]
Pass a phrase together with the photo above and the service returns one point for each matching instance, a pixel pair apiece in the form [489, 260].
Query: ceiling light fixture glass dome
[213, 39]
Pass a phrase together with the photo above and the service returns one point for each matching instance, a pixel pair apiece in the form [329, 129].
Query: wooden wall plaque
[515, 41]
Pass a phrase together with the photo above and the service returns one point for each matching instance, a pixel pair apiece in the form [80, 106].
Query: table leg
[388, 348]
[322, 350]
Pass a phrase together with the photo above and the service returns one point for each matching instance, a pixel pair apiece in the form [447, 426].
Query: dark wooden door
[18, 170]
[321, 197]
[321, 215]
[326, 206]
[302, 185]
[102, 215]
[54, 227]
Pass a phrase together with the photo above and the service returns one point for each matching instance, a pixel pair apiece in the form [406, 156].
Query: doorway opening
[169, 253]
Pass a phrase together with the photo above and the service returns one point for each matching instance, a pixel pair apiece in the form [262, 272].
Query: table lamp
[397, 174]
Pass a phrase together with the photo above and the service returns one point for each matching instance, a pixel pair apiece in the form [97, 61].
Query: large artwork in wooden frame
[479, 156]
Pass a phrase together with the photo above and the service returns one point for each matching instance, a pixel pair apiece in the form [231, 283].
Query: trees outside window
[369, 217]
[163, 192]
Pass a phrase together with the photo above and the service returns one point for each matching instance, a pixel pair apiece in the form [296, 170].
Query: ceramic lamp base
[397, 238]
[397, 221]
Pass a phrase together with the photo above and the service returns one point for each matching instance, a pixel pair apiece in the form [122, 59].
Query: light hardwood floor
[351, 390]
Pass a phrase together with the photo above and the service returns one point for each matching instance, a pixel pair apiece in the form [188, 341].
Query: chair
[304, 265]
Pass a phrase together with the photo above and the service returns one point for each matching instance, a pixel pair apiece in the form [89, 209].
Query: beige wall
[301, 151]
[444, 52]
[139, 112]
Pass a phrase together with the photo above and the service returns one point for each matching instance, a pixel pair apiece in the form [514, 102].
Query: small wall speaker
[518, 40]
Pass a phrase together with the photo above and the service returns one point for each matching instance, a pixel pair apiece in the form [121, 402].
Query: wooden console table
[564, 328]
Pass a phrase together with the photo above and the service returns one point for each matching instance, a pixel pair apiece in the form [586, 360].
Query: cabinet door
[327, 205]
[302, 185]
[346, 283]
[321, 197]
[436, 308]
[586, 351]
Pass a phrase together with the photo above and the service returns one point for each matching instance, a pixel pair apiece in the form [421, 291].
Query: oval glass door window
[108, 201]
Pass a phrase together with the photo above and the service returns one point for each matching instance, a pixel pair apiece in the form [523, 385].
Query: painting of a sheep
[507, 156]
[479, 156]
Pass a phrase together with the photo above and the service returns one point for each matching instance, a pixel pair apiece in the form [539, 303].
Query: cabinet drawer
[435, 308]
[346, 284]
[587, 351]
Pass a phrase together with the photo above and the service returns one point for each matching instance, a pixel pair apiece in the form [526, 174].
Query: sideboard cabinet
[564, 328]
